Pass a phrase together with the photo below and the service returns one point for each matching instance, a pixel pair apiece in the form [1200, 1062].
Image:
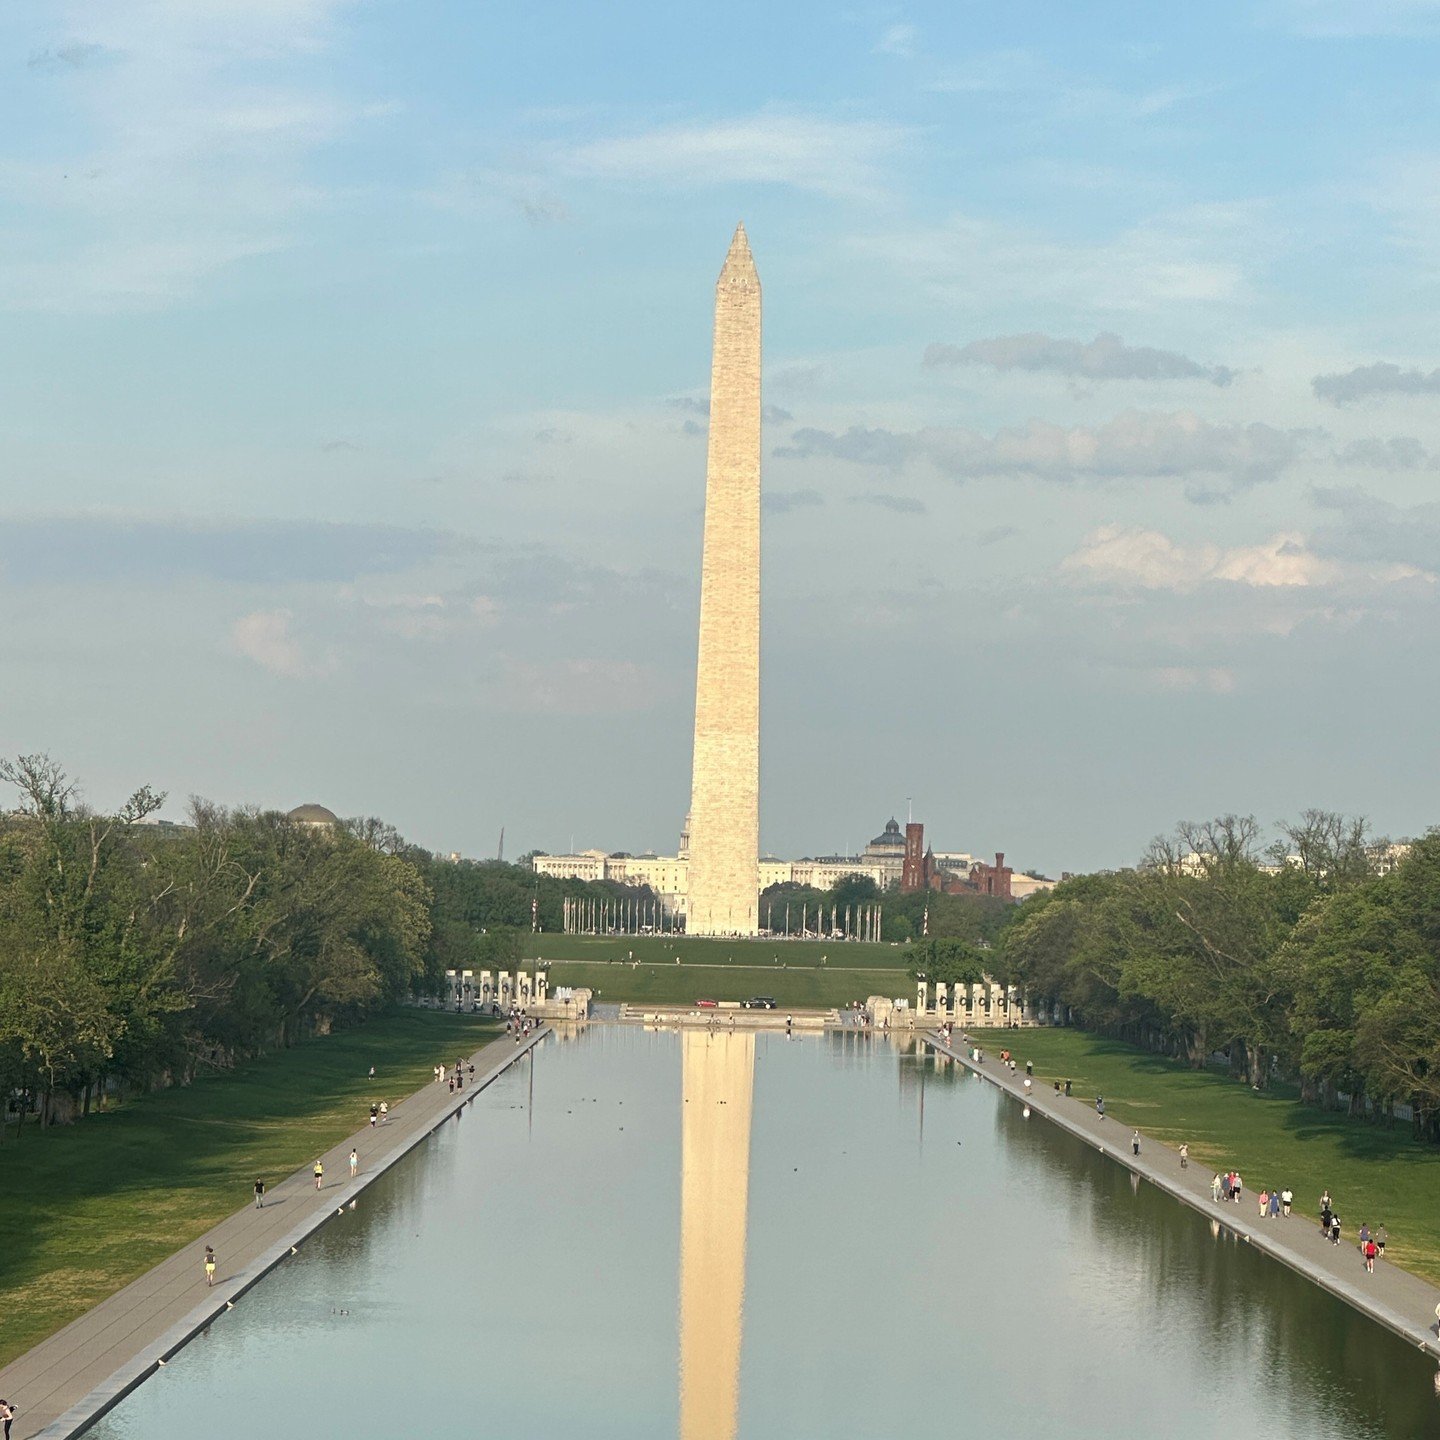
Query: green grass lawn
[662, 949]
[1374, 1174]
[85, 1208]
[683, 984]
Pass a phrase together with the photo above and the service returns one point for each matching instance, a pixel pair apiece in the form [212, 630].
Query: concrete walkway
[1398, 1300]
[69, 1380]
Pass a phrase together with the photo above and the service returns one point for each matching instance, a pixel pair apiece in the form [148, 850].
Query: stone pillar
[724, 891]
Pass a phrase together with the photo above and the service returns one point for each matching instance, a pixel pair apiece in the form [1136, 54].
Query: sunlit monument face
[725, 788]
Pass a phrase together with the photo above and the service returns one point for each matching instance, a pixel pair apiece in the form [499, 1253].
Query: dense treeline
[976, 919]
[1318, 960]
[135, 954]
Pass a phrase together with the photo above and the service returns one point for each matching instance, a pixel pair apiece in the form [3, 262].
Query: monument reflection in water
[717, 1086]
[823, 1265]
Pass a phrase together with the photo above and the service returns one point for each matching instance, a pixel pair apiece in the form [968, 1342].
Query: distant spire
[739, 262]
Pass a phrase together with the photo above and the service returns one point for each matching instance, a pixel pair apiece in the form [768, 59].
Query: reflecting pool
[707, 1236]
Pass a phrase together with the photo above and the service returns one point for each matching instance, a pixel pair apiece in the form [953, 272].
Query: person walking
[1287, 1199]
[1334, 1229]
[7, 1416]
[1184, 1157]
[1135, 1141]
[1216, 1186]
[372, 1072]
[1274, 1204]
[1100, 1106]
[384, 1111]
[259, 1194]
[209, 1266]
[354, 1162]
[1325, 1201]
[1264, 1203]
[319, 1174]
[1239, 1187]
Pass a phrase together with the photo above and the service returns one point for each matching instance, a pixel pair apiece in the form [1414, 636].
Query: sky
[354, 359]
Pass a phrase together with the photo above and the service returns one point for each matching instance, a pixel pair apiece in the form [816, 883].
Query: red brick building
[922, 872]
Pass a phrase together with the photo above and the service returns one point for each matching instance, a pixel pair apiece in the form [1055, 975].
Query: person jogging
[209, 1265]
[319, 1174]
[354, 1162]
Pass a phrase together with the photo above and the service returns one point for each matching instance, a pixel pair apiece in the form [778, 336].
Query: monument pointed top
[739, 266]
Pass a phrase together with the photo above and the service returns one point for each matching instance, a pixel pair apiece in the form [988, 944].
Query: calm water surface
[656, 1235]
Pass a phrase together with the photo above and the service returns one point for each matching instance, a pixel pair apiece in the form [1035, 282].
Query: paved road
[1399, 1300]
[79, 1372]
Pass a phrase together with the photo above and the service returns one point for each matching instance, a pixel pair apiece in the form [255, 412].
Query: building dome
[892, 839]
[312, 815]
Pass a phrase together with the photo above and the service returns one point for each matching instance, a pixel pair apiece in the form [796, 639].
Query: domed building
[888, 851]
[313, 817]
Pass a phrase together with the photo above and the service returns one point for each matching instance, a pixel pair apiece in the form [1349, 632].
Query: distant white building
[882, 861]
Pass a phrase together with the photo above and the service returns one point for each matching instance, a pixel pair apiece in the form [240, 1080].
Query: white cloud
[1130, 558]
[1169, 261]
[1035, 85]
[264, 637]
[1215, 679]
[196, 159]
[806, 152]
[897, 40]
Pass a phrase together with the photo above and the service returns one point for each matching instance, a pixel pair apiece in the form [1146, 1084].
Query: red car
[708, 1004]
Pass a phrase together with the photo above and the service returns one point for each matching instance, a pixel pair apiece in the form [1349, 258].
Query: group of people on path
[518, 1023]
[1273, 1203]
[454, 1075]
[1370, 1243]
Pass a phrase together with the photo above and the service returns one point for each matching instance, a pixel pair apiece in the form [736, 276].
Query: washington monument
[724, 878]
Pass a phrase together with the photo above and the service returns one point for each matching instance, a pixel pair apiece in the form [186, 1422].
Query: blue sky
[352, 384]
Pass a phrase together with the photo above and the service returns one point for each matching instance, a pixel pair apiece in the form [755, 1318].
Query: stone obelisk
[724, 876]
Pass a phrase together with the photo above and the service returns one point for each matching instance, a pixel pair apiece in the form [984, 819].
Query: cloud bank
[1106, 357]
[1134, 445]
[1366, 381]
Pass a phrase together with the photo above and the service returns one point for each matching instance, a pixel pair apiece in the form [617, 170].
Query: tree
[948, 962]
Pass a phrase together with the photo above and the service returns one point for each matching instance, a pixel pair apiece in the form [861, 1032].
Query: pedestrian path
[67, 1381]
[1397, 1299]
